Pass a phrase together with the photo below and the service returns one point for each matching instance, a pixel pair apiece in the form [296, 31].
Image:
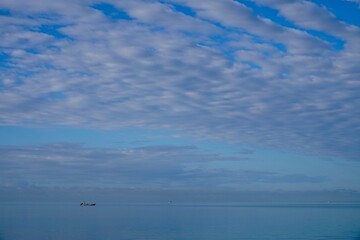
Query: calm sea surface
[57, 221]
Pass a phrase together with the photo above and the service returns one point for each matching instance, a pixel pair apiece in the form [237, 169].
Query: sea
[172, 221]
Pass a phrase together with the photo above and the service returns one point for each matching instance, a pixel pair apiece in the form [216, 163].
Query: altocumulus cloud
[214, 69]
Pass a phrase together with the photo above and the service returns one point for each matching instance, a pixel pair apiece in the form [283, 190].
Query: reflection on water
[180, 222]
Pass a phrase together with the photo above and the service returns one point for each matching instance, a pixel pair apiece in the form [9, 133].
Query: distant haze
[136, 196]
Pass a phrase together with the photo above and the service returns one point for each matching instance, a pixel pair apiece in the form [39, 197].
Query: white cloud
[311, 16]
[232, 82]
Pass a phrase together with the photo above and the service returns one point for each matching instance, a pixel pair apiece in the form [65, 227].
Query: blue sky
[180, 94]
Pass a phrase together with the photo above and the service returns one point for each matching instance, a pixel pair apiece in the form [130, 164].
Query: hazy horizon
[75, 195]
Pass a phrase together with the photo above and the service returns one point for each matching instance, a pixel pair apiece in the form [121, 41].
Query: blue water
[53, 221]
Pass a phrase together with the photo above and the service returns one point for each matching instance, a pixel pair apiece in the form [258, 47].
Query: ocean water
[62, 221]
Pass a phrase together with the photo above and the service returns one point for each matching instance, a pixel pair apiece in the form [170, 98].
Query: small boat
[87, 204]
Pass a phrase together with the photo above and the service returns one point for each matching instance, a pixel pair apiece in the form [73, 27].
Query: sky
[235, 95]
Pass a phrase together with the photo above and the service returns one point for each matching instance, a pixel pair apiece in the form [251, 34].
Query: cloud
[314, 17]
[64, 164]
[223, 72]
[247, 151]
[165, 16]
[355, 1]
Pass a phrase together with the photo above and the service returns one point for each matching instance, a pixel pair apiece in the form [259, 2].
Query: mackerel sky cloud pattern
[273, 74]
